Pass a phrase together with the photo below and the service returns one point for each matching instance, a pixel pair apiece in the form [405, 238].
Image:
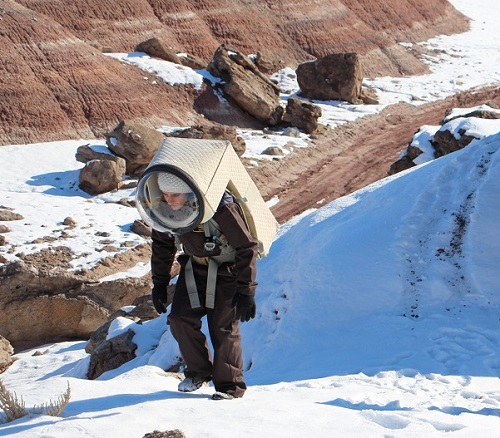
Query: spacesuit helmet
[168, 201]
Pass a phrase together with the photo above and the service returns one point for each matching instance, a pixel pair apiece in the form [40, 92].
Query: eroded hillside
[56, 83]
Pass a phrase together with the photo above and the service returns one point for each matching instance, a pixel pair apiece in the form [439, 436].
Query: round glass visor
[167, 203]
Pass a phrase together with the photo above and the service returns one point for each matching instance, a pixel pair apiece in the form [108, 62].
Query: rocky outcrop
[480, 113]
[246, 85]
[447, 139]
[41, 303]
[109, 354]
[334, 77]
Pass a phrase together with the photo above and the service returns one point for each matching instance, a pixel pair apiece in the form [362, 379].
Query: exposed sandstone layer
[296, 30]
[56, 83]
[42, 300]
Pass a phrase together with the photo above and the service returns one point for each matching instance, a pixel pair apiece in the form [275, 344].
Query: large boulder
[246, 85]
[303, 115]
[215, 132]
[269, 62]
[8, 214]
[335, 77]
[101, 176]
[160, 49]
[6, 352]
[109, 354]
[135, 143]
[87, 153]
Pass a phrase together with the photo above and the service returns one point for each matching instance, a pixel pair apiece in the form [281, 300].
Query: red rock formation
[55, 83]
[295, 30]
[53, 86]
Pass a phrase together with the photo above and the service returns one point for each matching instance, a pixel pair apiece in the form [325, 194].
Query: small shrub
[51, 408]
[11, 405]
[15, 408]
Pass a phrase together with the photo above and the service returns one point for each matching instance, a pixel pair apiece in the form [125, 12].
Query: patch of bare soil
[49, 258]
[60, 257]
[354, 155]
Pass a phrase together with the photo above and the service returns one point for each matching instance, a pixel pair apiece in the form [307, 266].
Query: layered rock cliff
[56, 83]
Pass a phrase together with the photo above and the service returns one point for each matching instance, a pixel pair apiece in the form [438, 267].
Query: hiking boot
[222, 396]
[190, 384]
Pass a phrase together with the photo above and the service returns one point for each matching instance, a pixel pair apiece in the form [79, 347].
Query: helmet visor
[168, 203]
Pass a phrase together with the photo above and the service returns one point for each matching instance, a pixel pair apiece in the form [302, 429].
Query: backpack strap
[194, 299]
[213, 267]
[214, 237]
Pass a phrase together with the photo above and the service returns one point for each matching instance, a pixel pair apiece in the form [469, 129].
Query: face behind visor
[167, 202]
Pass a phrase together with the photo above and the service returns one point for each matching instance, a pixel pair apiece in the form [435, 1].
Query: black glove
[159, 296]
[245, 307]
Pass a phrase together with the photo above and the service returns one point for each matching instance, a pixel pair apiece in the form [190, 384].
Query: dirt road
[354, 155]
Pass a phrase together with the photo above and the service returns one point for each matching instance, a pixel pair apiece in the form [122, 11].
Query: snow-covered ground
[378, 314]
